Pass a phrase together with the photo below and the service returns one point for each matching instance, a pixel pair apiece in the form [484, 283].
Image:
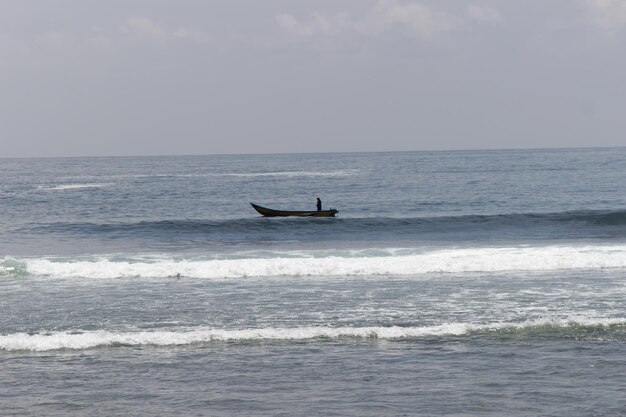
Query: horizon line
[315, 153]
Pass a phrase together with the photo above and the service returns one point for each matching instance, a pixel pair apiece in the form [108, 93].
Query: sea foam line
[79, 186]
[470, 260]
[101, 338]
[341, 173]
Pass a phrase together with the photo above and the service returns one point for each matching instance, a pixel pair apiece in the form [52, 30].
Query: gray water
[451, 283]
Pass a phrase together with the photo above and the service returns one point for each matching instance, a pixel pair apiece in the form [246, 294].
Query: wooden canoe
[285, 213]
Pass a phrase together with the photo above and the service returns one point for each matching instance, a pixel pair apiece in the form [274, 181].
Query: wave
[295, 174]
[578, 328]
[588, 217]
[577, 223]
[370, 262]
[80, 186]
[338, 173]
[522, 220]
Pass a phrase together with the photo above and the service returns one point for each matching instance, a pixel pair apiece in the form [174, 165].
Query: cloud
[484, 14]
[145, 29]
[417, 18]
[411, 17]
[56, 39]
[191, 35]
[610, 14]
[318, 24]
[293, 25]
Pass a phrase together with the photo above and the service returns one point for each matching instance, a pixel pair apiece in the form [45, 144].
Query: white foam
[340, 173]
[102, 338]
[62, 187]
[547, 258]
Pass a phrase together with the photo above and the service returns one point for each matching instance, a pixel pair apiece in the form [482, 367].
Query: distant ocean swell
[576, 328]
[80, 181]
[391, 261]
[569, 219]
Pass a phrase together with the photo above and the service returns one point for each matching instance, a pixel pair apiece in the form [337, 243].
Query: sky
[189, 77]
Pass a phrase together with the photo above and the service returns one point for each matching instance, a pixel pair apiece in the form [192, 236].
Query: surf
[573, 328]
[325, 263]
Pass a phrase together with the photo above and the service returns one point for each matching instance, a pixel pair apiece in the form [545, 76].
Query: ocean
[461, 283]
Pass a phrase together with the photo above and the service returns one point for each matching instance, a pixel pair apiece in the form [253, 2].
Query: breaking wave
[577, 328]
[64, 187]
[339, 173]
[369, 262]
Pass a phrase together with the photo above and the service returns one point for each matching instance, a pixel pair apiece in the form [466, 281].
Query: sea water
[465, 283]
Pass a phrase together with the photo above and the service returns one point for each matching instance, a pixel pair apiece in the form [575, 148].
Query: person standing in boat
[319, 204]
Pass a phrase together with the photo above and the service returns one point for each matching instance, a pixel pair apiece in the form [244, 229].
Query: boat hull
[267, 212]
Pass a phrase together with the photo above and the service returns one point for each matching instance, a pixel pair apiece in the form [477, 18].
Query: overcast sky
[158, 77]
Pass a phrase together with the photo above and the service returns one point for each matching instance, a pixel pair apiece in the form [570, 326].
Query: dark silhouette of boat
[267, 212]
